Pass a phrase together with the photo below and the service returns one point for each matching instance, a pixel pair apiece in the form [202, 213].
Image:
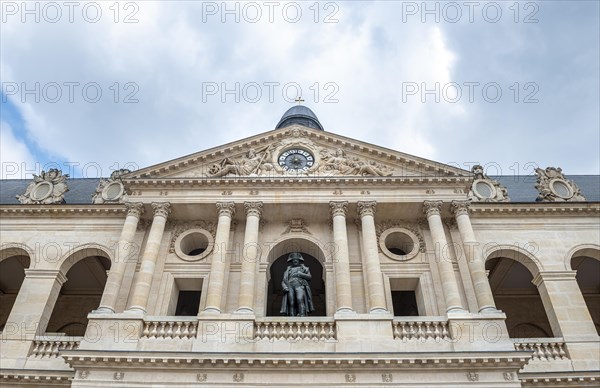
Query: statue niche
[296, 286]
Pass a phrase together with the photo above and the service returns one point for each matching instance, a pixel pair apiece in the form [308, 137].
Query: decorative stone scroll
[46, 188]
[486, 189]
[554, 187]
[111, 190]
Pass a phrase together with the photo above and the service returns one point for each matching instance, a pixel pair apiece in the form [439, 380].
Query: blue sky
[158, 75]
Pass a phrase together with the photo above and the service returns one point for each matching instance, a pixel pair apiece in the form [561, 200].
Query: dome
[300, 114]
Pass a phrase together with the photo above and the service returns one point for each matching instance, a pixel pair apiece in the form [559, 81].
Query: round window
[41, 191]
[483, 189]
[194, 244]
[561, 189]
[113, 191]
[399, 244]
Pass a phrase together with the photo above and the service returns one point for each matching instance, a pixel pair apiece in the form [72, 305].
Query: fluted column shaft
[445, 268]
[124, 252]
[377, 304]
[481, 284]
[219, 258]
[341, 257]
[249, 257]
[141, 290]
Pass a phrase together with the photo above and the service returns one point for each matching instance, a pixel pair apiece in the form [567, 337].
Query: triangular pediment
[298, 151]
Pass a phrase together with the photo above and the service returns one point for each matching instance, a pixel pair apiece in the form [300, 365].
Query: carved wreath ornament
[554, 187]
[46, 188]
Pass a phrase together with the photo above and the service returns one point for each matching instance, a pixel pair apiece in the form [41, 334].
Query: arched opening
[516, 295]
[313, 259]
[317, 285]
[13, 263]
[588, 279]
[79, 295]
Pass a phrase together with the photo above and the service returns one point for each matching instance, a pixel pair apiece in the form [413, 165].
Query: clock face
[296, 159]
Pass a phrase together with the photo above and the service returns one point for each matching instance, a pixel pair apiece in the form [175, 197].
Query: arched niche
[314, 258]
[14, 260]
[86, 271]
[586, 261]
[510, 273]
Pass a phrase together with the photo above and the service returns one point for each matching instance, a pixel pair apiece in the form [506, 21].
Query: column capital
[431, 208]
[253, 208]
[366, 208]
[545, 276]
[226, 209]
[135, 209]
[460, 208]
[162, 209]
[338, 208]
[55, 274]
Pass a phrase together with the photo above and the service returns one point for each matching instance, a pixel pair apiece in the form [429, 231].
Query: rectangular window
[188, 303]
[405, 303]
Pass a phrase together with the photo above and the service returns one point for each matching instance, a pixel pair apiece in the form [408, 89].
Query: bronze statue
[297, 297]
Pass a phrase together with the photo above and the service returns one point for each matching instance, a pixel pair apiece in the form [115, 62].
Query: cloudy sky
[96, 86]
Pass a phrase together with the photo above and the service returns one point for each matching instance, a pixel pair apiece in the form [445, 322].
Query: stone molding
[549, 276]
[92, 210]
[46, 189]
[56, 274]
[547, 182]
[557, 208]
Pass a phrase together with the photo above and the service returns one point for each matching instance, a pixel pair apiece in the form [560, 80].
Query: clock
[296, 159]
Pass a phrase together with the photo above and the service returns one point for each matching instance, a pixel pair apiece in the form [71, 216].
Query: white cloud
[15, 156]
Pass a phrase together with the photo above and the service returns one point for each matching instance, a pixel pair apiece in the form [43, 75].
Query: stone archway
[13, 263]
[86, 273]
[586, 262]
[510, 275]
[314, 259]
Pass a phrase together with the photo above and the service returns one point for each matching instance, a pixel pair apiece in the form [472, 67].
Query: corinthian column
[216, 278]
[366, 210]
[249, 257]
[481, 284]
[341, 258]
[445, 268]
[141, 290]
[124, 253]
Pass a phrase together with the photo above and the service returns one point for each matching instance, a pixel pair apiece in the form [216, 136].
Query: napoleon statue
[297, 297]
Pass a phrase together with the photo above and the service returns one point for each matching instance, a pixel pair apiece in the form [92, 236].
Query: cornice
[92, 210]
[33, 376]
[572, 378]
[536, 208]
[154, 360]
[287, 181]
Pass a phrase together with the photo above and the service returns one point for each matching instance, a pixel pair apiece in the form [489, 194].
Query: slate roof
[520, 188]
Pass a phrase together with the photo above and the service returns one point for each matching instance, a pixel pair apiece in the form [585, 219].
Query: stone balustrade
[51, 347]
[544, 349]
[170, 328]
[296, 330]
[421, 329]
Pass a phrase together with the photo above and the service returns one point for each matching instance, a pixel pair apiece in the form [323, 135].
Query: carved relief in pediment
[554, 187]
[46, 188]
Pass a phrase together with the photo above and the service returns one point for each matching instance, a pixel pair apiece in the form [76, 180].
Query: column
[143, 281]
[366, 211]
[476, 264]
[341, 258]
[216, 278]
[125, 252]
[249, 258]
[445, 268]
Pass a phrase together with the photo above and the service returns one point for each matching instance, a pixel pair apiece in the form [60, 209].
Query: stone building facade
[423, 274]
